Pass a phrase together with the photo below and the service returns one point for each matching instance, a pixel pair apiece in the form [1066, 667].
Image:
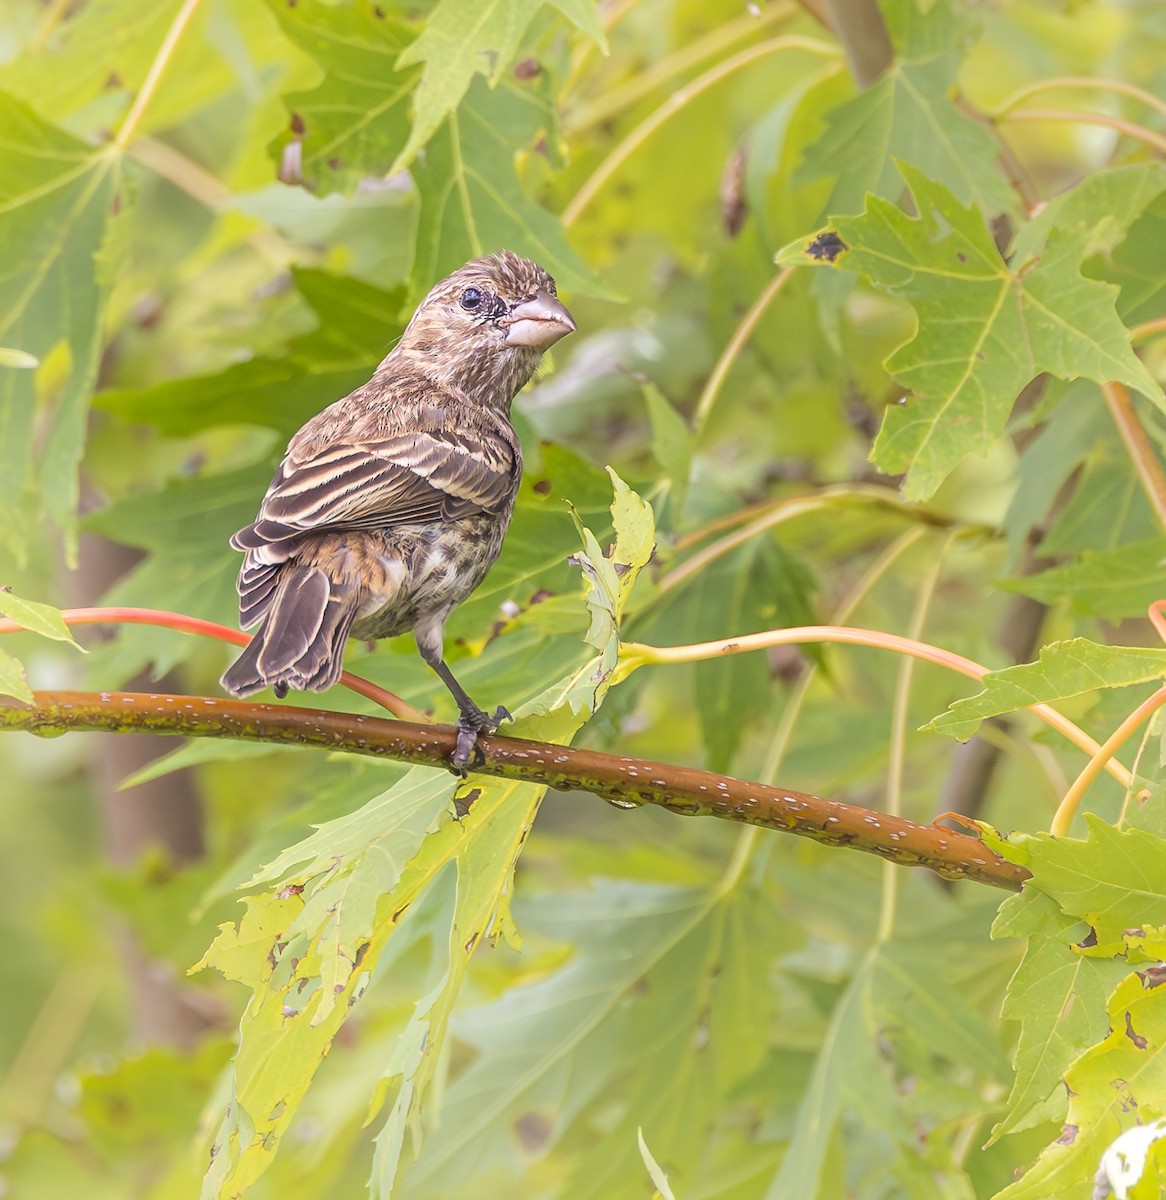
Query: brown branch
[627, 782]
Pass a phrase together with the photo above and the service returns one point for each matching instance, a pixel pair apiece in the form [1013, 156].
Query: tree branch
[626, 782]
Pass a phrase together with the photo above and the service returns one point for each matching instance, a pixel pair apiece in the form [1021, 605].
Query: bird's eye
[471, 299]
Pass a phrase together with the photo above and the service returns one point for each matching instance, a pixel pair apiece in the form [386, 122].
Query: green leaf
[1063, 670]
[191, 567]
[309, 951]
[115, 40]
[36, 618]
[1113, 879]
[1058, 997]
[609, 579]
[654, 1169]
[357, 326]
[58, 201]
[1139, 267]
[1106, 583]
[13, 681]
[1099, 210]
[642, 1008]
[907, 116]
[464, 38]
[986, 327]
[672, 446]
[355, 122]
[18, 360]
[1116, 1085]
[471, 200]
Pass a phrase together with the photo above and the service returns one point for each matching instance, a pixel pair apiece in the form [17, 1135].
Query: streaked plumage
[390, 506]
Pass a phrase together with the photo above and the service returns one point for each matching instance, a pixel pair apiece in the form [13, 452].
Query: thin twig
[677, 101]
[615, 100]
[1141, 450]
[164, 619]
[1078, 82]
[1067, 809]
[1148, 329]
[637, 654]
[734, 346]
[626, 782]
[897, 749]
[1130, 128]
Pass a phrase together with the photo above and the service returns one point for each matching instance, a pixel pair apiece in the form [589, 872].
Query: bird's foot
[470, 723]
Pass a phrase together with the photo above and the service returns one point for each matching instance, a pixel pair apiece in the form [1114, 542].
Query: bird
[391, 504]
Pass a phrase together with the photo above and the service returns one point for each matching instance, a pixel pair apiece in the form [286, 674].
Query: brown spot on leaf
[378, 12]
[961, 256]
[1153, 976]
[291, 889]
[826, 247]
[528, 68]
[542, 487]
[541, 595]
[1133, 1034]
[298, 127]
[1068, 1135]
[463, 801]
[334, 164]
[1090, 939]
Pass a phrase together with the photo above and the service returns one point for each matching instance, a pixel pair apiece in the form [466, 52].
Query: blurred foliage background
[215, 217]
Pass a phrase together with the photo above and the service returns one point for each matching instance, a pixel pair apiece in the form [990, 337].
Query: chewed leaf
[464, 38]
[1063, 670]
[986, 326]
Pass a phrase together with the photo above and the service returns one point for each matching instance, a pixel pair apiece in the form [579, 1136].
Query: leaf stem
[620, 98]
[897, 748]
[642, 654]
[734, 346]
[679, 100]
[1148, 329]
[625, 781]
[1078, 82]
[1071, 802]
[164, 619]
[54, 12]
[772, 513]
[133, 118]
[1141, 450]
[1130, 128]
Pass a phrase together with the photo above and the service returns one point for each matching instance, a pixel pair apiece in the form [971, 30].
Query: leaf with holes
[355, 121]
[986, 327]
[464, 38]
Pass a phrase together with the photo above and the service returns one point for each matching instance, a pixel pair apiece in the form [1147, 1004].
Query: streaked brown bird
[390, 506]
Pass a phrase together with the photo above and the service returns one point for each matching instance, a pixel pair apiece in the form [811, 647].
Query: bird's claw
[471, 723]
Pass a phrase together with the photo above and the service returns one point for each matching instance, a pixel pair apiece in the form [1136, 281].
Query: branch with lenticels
[625, 782]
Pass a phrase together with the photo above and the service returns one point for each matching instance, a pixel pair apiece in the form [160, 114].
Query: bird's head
[485, 327]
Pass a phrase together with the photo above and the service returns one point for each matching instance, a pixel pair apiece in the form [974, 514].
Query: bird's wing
[405, 478]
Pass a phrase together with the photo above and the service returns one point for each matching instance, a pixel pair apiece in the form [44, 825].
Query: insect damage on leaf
[826, 246]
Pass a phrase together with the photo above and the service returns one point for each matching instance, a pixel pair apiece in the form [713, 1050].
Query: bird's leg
[471, 719]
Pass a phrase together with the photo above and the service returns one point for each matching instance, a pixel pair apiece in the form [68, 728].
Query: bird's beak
[539, 322]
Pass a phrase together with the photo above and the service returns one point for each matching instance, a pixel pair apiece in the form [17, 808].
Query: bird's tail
[301, 641]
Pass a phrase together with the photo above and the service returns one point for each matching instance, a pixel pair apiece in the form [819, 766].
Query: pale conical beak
[539, 322]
